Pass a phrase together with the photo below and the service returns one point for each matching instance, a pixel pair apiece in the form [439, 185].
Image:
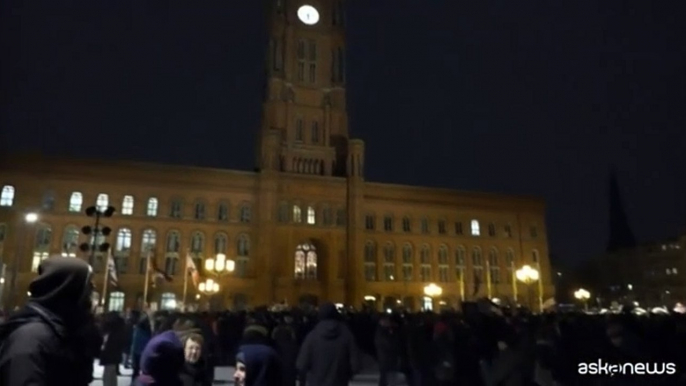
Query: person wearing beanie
[162, 361]
[329, 355]
[53, 339]
[257, 365]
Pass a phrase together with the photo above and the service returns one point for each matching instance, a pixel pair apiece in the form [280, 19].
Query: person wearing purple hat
[162, 361]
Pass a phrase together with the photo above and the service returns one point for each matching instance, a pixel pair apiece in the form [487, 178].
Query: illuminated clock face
[308, 15]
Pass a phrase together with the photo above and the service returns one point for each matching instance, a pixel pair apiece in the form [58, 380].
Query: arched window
[535, 257]
[70, 241]
[168, 301]
[223, 212]
[123, 240]
[49, 200]
[243, 255]
[297, 214]
[425, 260]
[220, 243]
[171, 264]
[199, 210]
[370, 261]
[477, 263]
[493, 266]
[491, 229]
[443, 268]
[408, 262]
[460, 262]
[75, 202]
[311, 215]
[151, 210]
[102, 202]
[116, 302]
[148, 240]
[7, 196]
[41, 248]
[283, 212]
[198, 242]
[509, 262]
[389, 262]
[305, 261]
[476, 230]
[245, 213]
[127, 206]
[174, 242]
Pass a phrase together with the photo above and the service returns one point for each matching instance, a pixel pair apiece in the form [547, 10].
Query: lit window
[116, 302]
[149, 240]
[41, 247]
[70, 241]
[311, 215]
[242, 256]
[75, 202]
[152, 207]
[305, 266]
[127, 206]
[674, 271]
[102, 202]
[123, 240]
[197, 242]
[220, 243]
[7, 196]
[476, 231]
[297, 214]
[427, 303]
[168, 301]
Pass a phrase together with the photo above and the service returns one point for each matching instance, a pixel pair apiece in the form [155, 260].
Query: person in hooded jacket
[162, 361]
[257, 365]
[142, 332]
[49, 342]
[329, 355]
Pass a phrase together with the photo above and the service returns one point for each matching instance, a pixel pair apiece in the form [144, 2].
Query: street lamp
[209, 287]
[98, 234]
[31, 217]
[528, 276]
[432, 291]
[220, 265]
[583, 296]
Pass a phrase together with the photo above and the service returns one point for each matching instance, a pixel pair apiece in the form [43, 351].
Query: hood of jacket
[162, 359]
[330, 329]
[261, 364]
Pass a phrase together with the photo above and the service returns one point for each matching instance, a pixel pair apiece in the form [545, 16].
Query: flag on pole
[192, 270]
[157, 274]
[112, 270]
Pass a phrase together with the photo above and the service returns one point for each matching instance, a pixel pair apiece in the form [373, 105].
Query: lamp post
[432, 291]
[30, 218]
[218, 266]
[528, 276]
[582, 295]
[97, 242]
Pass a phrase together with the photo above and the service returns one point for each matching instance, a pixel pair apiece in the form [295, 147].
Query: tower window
[307, 59]
[299, 129]
[315, 132]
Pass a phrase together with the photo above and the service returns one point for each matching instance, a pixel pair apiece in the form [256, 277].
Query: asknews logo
[611, 369]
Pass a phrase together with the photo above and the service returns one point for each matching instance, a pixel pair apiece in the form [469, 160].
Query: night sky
[523, 97]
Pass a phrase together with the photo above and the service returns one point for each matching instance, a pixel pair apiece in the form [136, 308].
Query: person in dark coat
[329, 355]
[389, 349]
[142, 333]
[194, 370]
[257, 365]
[110, 356]
[162, 361]
[47, 341]
[286, 343]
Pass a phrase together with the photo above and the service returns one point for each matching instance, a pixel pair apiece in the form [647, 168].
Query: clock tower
[305, 125]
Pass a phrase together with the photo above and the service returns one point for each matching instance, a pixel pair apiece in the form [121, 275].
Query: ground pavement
[224, 375]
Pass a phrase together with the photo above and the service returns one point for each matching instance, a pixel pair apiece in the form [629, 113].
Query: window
[369, 221]
[199, 211]
[476, 231]
[493, 266]
[299, 130]
[425, 225]
[127, 206]
[245, 214]
[301, 60]
[174, 242]
[3, 232]
[7, 196]
[148, 240]
[123, 240]
[370, 261]
[388, 224]
[533, 231]
[407, 226]
[223, 212]
[441, 227]
[48, 201]
[508, 230]
[340, 217]
[243, 246]
[277, 54]
[312, 51]
[458, 228]
[102, 202]
[477, 263]
[311, 215]
[75, 202]
[315, 132]
[427, 303]
[460, 258]
[282, 215]
[243, 253]
[70, 241]
[491, 229]
[220, 243]
[509, 262]
[408, 262]
[389, 262]
[198, 242]
[152, 207]
[327, 216]
[168, 301]
[443, 268]
[116, 302]
[425, 261]
[535, 258]
[175, 209]
[297, 214]
[41, 247]
[306, 261]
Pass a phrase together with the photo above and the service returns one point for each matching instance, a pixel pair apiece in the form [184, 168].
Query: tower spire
[621, 236]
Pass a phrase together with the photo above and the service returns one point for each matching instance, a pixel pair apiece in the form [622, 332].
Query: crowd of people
[55, 338]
